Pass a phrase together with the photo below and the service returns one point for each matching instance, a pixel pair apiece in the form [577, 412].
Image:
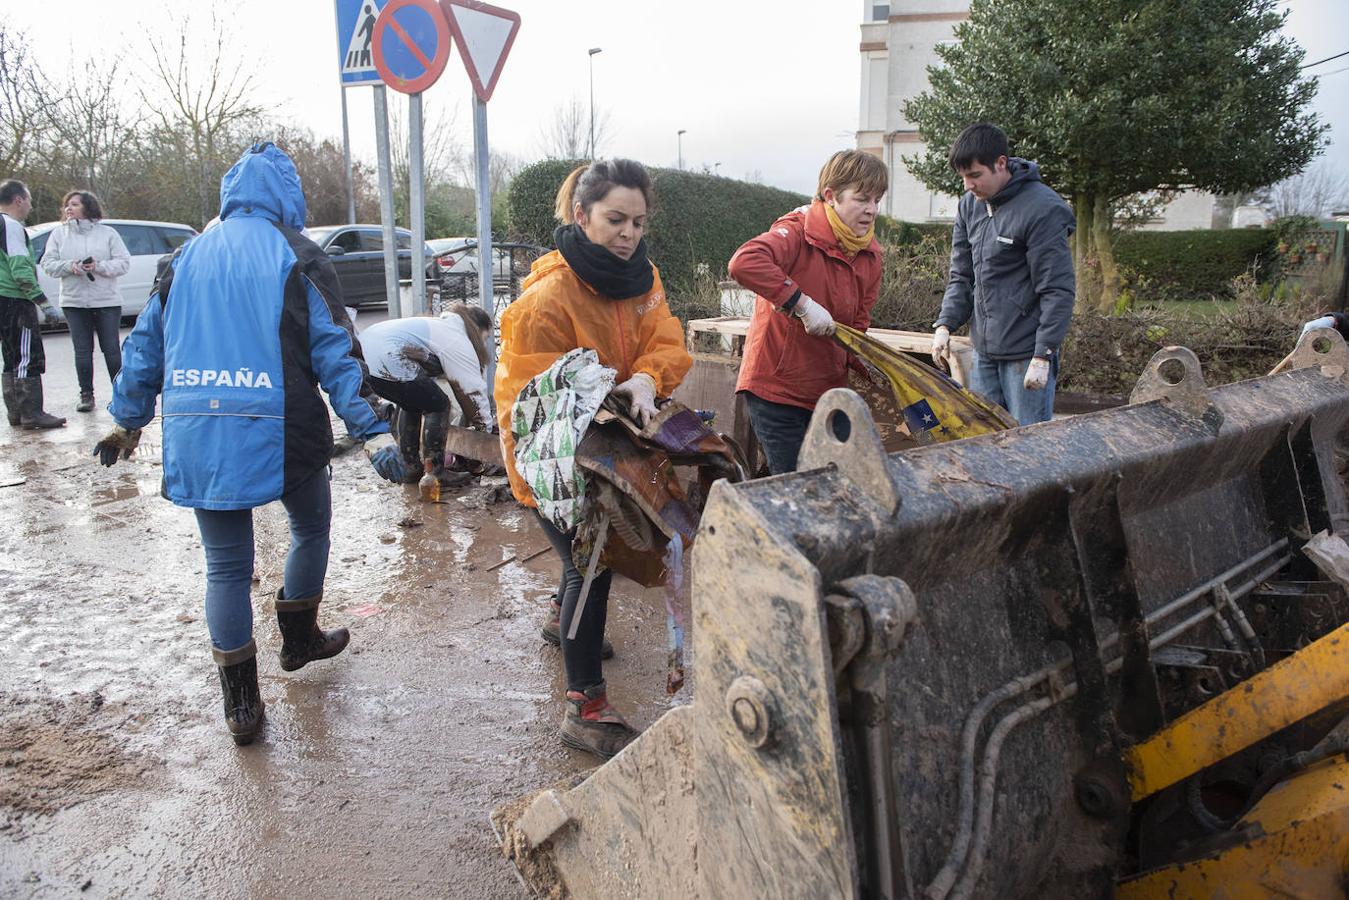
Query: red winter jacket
[799, 253]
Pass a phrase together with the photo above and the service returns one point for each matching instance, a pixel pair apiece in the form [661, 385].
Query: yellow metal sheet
[1291, 689]
[1297, 846]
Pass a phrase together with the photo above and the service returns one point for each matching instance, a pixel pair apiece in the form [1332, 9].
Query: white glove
[941, 348]
[1037, 375]
[640, 393]
[814, 317]
[1323, 322]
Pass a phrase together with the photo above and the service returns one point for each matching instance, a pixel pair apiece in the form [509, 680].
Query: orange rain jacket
[559, 312]
[782, 363]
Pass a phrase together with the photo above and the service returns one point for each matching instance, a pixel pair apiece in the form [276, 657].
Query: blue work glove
[1323, 322]
[384, 456]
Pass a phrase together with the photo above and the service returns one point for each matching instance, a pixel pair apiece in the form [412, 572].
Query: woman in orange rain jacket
[816, 266]
[597, 291]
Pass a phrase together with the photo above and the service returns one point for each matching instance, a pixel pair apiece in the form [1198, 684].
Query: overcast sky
[758, 87]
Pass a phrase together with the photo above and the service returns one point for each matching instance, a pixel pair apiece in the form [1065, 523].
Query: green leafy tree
[1120, 97]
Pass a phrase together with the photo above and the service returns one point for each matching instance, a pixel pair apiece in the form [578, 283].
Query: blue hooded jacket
[246, 322]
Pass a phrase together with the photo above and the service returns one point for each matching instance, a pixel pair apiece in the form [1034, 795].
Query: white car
[147, 242]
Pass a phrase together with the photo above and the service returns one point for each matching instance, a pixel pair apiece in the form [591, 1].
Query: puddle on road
[375, 771]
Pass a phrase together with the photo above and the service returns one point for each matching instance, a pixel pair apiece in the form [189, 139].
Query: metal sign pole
[485, 255]
[386, 201]
[417, 203]
[484, 205]
[346, 162]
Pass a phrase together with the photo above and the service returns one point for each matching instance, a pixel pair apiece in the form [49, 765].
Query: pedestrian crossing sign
[355, 32]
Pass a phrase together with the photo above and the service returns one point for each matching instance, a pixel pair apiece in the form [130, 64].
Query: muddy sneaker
[239, 685]
[552, 630]
[302, 641]
[591, 724]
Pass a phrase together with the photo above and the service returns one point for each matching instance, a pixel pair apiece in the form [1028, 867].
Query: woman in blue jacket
[247, 321]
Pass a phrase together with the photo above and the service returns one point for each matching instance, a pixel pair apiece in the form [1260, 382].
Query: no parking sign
[411, 44]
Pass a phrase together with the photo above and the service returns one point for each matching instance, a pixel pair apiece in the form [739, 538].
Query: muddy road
[376, 770]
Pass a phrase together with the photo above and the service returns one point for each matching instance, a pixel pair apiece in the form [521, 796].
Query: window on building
[880, 12]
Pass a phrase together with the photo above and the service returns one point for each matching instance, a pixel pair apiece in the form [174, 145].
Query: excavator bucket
[923, 674]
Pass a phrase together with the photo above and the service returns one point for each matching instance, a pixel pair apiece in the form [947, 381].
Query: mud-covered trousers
[580, 657]
[20, 339]
[227, 538]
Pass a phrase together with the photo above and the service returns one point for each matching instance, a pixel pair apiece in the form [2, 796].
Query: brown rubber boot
[31, 414]
[552, 630]
[239, 685]
[591, 724]
[302, 641]
[11, 392]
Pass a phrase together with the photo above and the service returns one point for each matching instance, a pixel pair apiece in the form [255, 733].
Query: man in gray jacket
[1012, 270]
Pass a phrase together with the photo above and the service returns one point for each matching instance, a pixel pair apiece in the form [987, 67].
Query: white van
[145, 241]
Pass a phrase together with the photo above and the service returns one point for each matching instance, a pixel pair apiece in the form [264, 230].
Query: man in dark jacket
[1012, 271]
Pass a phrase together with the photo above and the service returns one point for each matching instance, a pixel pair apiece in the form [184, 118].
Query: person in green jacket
[20, 300]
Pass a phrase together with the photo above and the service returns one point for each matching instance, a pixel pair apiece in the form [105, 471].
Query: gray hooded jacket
[1012, 269]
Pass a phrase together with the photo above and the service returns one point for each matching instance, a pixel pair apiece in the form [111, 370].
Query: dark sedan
[357, 252]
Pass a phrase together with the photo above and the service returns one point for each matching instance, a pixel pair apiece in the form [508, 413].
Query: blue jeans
[227, 538]
[84, 324]
[1000, 381]
[780, 430]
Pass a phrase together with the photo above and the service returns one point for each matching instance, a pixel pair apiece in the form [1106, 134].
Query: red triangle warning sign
[484, 34]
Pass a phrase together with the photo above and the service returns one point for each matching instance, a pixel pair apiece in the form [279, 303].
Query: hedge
[695, 218]
[1191, 264]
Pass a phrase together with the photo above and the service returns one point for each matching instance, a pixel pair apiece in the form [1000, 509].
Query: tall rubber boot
[11, 391]
[31, 414]
[435, 428]
[409, 434]
[302, 641]
[239, 685]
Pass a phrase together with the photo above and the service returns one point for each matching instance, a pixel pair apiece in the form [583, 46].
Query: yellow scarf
[851, 243]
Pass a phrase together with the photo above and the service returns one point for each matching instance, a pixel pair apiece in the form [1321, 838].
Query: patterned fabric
[548, 421]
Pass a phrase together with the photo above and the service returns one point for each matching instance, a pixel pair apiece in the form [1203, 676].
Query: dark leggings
[581, 657]
[421, 395]
[103, 321]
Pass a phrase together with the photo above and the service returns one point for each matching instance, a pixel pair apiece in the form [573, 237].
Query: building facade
[899, 41]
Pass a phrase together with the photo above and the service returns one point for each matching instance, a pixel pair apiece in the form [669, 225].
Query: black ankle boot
[302, 641]
[239, 685]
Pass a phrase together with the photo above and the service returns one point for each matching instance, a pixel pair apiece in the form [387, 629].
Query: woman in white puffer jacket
[88, 257]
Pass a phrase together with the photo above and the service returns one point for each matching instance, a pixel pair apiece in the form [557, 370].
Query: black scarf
[610, 276]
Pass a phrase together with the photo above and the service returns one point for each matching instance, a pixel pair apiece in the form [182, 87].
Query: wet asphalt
[376, 770]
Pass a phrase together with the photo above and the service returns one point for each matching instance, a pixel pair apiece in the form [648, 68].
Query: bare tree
[442, 154]
[1318, 190]
[92, 138]
[567, 135]
[25, 95]
[199, 99]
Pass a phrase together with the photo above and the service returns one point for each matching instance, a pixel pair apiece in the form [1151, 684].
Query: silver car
[147, 242]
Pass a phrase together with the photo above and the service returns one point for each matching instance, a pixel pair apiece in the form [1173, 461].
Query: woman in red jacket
[816, 266]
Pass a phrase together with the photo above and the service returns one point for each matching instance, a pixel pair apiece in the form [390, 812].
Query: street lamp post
[591, 53]
[680, 137]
